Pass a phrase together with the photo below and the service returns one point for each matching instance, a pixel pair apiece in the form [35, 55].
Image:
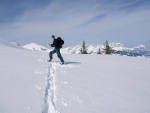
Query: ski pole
[44, 54]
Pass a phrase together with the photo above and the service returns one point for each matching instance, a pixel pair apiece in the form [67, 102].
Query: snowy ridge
[92, 49]
[16, 43]
[35, 47]
[140, 47]
[117, 48]
[140, 50]
[10, 44]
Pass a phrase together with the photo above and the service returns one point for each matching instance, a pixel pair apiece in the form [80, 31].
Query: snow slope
[85, 84]
[22, 81]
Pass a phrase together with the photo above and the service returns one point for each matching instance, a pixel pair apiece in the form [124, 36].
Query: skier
[57, 43]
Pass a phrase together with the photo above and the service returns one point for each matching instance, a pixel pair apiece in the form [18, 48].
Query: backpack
[60, 42]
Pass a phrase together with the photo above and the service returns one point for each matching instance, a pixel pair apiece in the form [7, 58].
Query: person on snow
[57, 45]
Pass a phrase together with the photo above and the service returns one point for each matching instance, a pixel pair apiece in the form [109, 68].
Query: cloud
[91, 20]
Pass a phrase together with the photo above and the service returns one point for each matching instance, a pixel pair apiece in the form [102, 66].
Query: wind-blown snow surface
[85, 84]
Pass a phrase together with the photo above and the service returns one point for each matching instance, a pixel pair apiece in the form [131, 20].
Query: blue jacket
[54, 44]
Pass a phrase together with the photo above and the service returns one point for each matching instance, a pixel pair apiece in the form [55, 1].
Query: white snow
[104, 84]
[35, 47]
[85, 84]
[20, 74]
[10, 44]
[117, 46]
[141, 47]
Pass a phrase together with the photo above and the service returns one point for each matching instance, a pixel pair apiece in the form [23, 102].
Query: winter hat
[53, 36]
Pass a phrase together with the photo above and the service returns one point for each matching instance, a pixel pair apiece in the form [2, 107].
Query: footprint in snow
[65, 83]
[39, 72]
[78, 100]
[38, 87]
[63, 71]
[29, 108]
[64, 104]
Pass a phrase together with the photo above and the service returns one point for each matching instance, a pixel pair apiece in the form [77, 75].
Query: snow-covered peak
[35, 47]
[140, 47]
[73, 49]
[117, 46]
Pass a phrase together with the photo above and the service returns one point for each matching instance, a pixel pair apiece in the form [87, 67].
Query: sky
[94, 21]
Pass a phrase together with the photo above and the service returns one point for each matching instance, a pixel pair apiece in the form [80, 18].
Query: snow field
[104, 84]
[85, 84]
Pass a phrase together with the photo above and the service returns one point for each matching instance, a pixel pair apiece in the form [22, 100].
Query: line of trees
[107, 49]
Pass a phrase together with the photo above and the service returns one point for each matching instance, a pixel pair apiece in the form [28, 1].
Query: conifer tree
[99, 51]
[83, 48]
[107, 48]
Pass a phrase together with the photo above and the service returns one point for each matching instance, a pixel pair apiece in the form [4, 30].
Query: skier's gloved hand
[49, 44]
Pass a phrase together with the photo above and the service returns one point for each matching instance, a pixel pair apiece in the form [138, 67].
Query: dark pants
[56, 50]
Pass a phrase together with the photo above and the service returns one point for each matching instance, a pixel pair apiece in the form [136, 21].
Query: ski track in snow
[49, 104]
[50, 92]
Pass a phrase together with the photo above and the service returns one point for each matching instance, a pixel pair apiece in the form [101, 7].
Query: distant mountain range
[118, 48]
